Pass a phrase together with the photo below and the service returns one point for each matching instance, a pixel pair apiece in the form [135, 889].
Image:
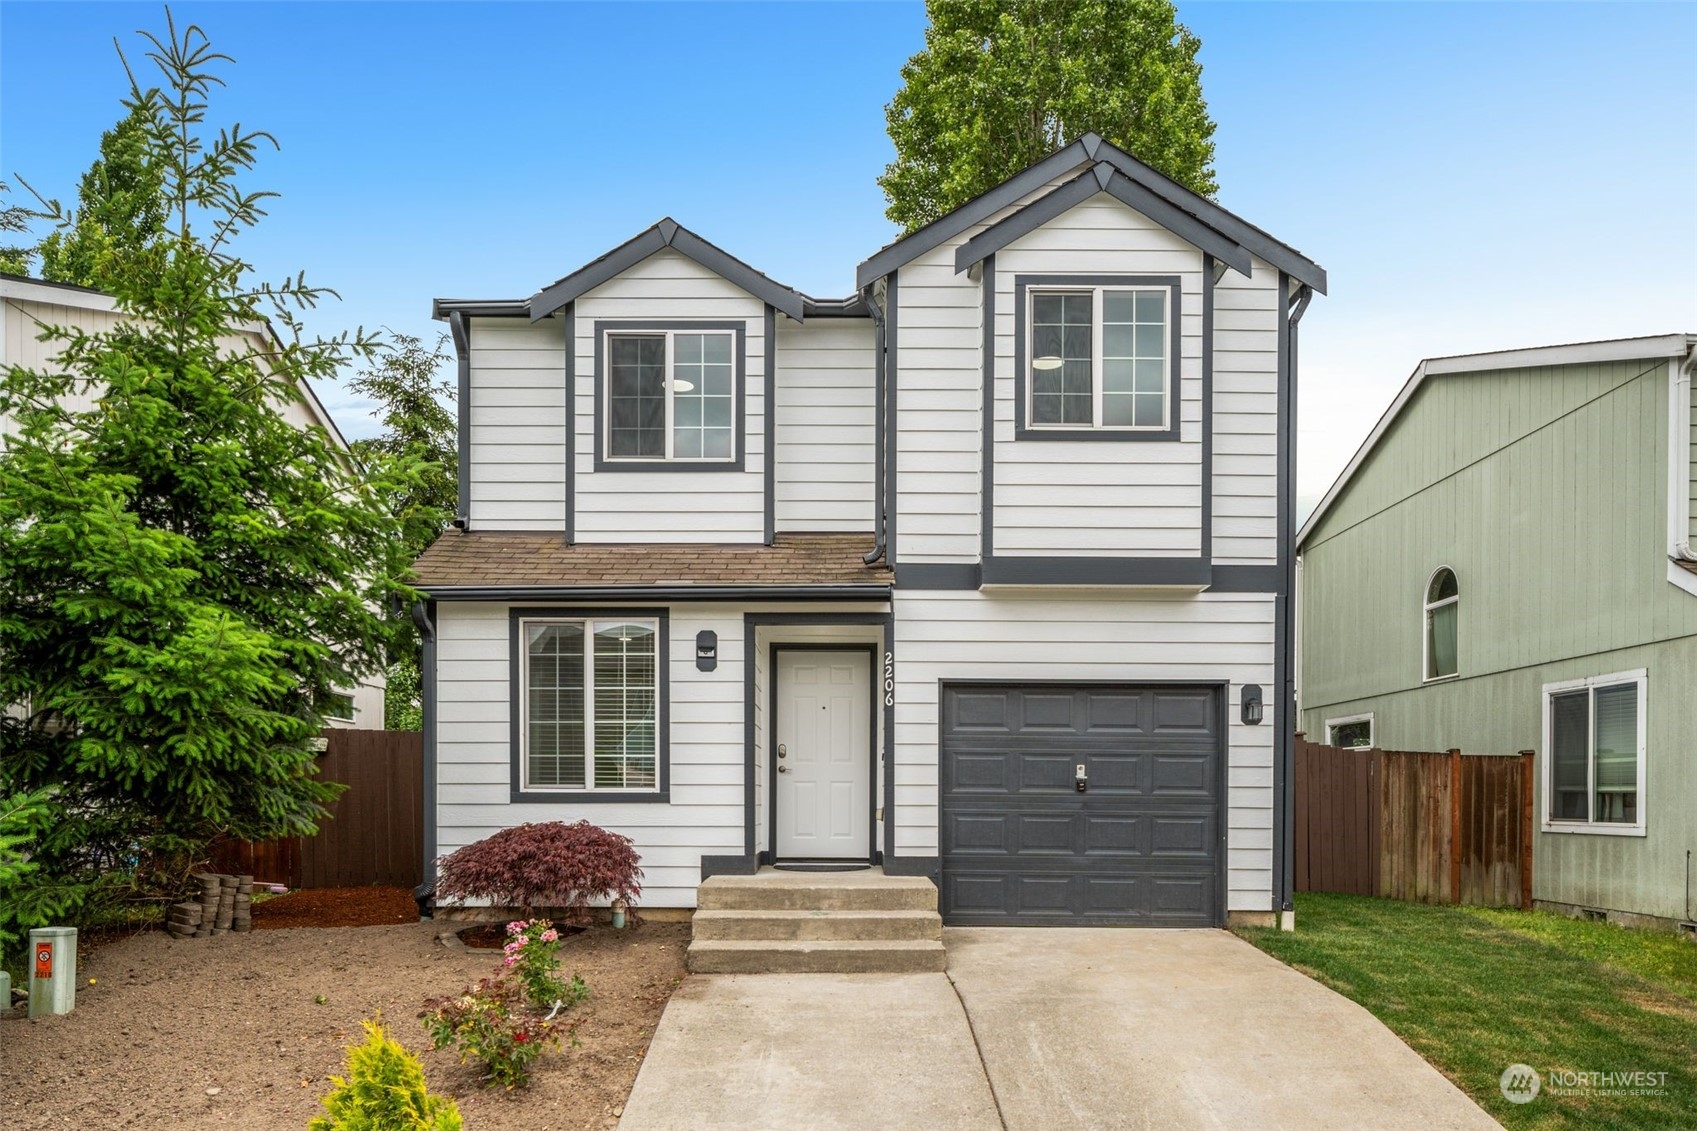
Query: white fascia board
[1579, 353]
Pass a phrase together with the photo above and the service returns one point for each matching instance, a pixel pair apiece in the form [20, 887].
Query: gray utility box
[52, 970]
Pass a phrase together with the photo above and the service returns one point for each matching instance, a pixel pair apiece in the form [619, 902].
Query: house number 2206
[889, 679]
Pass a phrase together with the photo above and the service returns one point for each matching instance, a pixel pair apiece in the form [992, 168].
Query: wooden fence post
[1528, 813]
[1455, 825]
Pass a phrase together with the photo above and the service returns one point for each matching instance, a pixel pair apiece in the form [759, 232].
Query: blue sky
[1472, 176]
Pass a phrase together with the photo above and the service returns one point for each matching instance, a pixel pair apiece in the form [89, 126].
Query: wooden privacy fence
[375, 833]
[1430, 828]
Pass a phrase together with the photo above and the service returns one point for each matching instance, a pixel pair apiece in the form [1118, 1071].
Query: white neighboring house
[27, 305]
[980, 573]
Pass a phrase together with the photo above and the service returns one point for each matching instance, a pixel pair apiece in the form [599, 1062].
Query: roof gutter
[880, 370]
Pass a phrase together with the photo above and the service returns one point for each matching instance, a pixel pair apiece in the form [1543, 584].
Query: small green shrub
[490, 1022]
[384, 1091]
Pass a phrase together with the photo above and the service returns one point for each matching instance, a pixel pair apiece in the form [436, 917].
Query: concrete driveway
[1105, 1028]
[1035, 1029]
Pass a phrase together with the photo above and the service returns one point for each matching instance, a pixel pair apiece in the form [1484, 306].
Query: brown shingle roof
[492, 558]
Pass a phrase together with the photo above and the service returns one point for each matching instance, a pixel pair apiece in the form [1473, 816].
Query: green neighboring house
[1510, 563]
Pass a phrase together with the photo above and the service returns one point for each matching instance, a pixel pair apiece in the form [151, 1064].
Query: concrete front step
[780, 926]
[888, 956]
[801, 891]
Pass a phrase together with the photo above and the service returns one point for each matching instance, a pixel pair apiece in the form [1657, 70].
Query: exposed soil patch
[337, 907]
[493, 936]
[168, 1020]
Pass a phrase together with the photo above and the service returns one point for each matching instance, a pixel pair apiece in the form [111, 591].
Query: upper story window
[1594, 754]
[670, 394]
[590, 719]
[1442, 610]
[1098, 357]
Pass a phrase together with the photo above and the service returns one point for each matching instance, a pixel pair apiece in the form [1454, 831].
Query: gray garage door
[1141, 846]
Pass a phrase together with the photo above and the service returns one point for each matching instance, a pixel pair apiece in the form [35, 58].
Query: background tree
[415, 408]
[120, 208]
[185, 576]
[1002, 83]
[14, 218]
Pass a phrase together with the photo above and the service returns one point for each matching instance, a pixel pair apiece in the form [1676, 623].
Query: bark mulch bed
[229, 1031]
[336, 907]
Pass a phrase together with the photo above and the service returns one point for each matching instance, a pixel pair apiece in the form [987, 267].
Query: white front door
[823, 755]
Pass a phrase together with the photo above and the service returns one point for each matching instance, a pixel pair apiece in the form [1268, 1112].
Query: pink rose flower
[550, 935]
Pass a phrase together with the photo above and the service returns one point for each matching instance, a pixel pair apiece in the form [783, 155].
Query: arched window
[1442, 598]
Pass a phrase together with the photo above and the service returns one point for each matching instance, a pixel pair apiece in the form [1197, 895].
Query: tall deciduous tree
[120, 208]
[185, 576]
[1002, 83]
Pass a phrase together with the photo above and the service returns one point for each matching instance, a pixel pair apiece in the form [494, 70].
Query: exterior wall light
[1251, 704]
[706, 650]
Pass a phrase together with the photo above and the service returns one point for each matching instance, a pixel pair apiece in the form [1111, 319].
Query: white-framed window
[590, 719]
[1594, 754]
[1439, 623]
[670, 395]
[1353, 732]
[339, 705]
[1099, 357]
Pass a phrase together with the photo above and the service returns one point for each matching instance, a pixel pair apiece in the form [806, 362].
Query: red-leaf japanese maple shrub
[552, 865]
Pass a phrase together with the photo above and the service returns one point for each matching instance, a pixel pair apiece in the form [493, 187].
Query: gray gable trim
[974, 211]
[1091, 149]
[667, 233]
[1101, 178]
[1257, 240]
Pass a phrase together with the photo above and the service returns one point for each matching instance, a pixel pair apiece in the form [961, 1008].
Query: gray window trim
[666, 233]
[1175, 366]
[516, 615]
[737, 327]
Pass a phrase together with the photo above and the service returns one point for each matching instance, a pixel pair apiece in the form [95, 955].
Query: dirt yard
[229, 1032]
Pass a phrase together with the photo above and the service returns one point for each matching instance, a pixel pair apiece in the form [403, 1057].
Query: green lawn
[1474, 991]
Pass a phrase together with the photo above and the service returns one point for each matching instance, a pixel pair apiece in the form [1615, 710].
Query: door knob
[783, 769]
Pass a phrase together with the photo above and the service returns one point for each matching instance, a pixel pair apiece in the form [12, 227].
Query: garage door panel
[1020, 844]
[1189, 711]
[1190, 775]
[1045, 711]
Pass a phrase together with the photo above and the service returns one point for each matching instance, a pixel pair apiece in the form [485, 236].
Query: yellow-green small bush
[384, 1091]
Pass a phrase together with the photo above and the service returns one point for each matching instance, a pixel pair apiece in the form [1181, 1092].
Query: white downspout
[1680, 485]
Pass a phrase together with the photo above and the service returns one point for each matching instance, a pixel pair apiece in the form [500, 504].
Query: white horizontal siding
[705, 814]
[1131, 498]
[518, 424]
[670, 506]
[938, 319]
[826, 425]
[943, 636]
[1246, 410]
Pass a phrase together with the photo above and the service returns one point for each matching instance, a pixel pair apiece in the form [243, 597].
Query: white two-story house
[978, 574]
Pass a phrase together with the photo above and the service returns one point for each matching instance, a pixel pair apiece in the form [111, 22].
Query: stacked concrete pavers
[225, 904]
